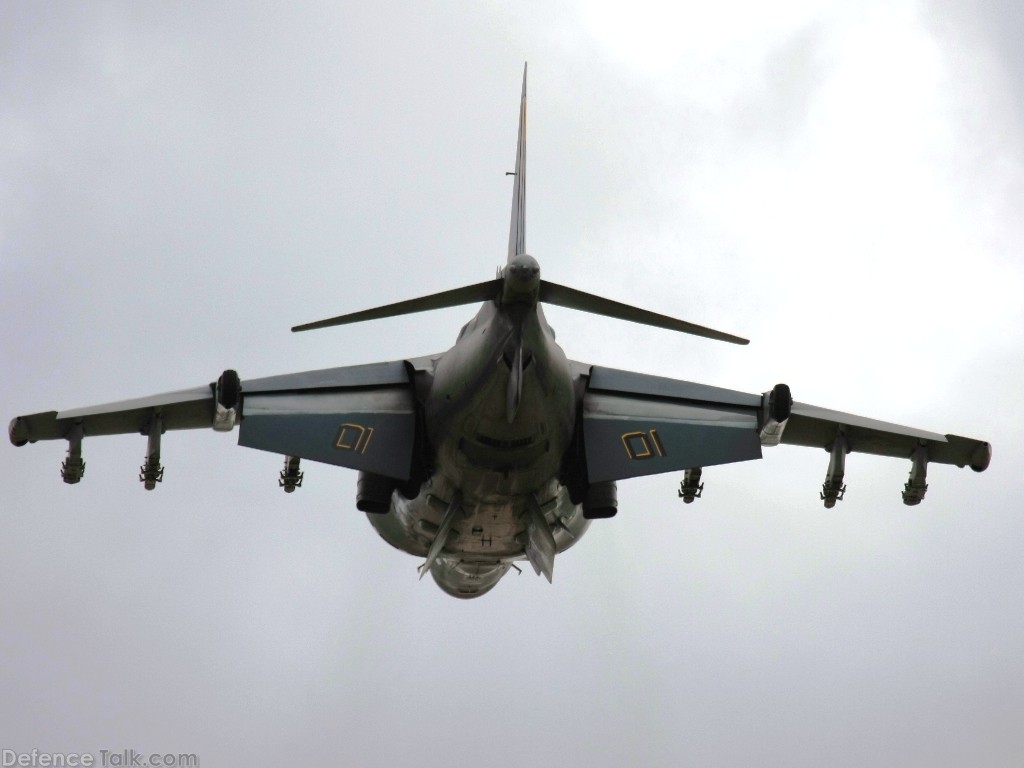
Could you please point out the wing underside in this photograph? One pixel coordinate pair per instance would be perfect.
(816, 427)
(635, 424)
(362, 417)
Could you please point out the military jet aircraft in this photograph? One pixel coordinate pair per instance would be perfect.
(500, 449)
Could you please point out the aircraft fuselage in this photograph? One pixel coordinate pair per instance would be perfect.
(500, 410)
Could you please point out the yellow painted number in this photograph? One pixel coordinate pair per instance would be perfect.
(642, 445)
(354, 437)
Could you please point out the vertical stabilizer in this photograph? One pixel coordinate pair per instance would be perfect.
(517, 229)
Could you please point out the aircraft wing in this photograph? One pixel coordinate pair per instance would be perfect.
(635, 424)
(817, 427)
(362, 417)
(182, 409)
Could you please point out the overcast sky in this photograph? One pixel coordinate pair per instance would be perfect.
(842, 182)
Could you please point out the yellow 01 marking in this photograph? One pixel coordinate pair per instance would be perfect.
(361, 434)
(657, 442)
(631, 450)
(366, 442)
(642, 445)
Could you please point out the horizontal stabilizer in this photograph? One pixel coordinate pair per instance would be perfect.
(560, 295)
(470, 294)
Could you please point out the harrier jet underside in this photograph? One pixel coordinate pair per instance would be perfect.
(500, 449)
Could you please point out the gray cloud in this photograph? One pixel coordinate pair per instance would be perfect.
(182, 184)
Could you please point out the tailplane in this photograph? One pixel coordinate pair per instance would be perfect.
(547, 292)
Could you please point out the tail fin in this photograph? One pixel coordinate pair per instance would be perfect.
(550, 293)
(517, 229)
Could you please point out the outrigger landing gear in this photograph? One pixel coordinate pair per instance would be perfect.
(227, 398)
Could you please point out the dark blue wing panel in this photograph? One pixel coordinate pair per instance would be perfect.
(630, 436)
(367, 429)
